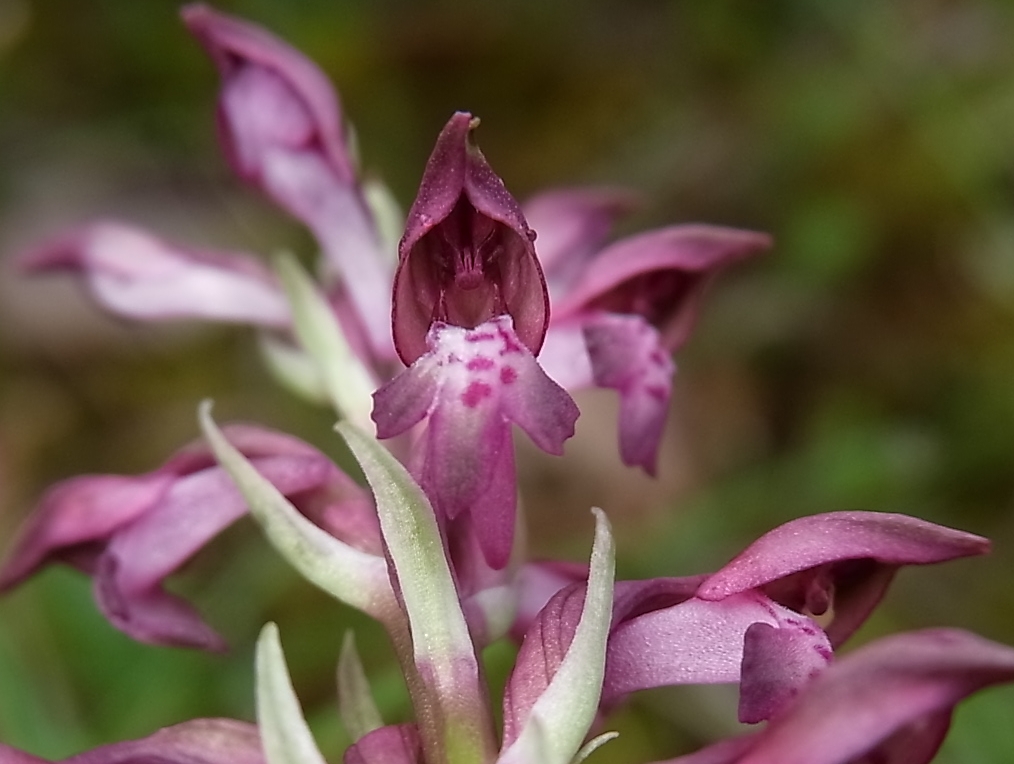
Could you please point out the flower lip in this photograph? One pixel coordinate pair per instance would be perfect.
(467, 255)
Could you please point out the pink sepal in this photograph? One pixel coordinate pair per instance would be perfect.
(135, 275)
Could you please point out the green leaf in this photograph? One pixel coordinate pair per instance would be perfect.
(352, 576)
(442, 648)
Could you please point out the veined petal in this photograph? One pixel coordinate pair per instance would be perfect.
(537, 584)
(700, 642)
(660, 275)
(548, 715)
(777, 663)
(467, 254)
(200, 741)
(281, 127)
(847, 557)
(627, 355)
(395, 744)
(134, 275)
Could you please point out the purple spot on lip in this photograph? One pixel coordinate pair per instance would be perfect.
(510, 342)
(480, 363)
(508, 375)
(479, 336)
(475, 393)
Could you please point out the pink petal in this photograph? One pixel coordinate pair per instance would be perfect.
(253, 441)
(728, 751)
(564, 355)
(467, 254)
(777, 664)
(700, 642)
(281, 126)
(200, 741)
(626, 355)
(135, 275)
(572, 224)
(76, 517)
(548, 638)
(394, 744)
(660, 275)
(132, 532)
(542, 651)
(537, 583)
(10, 755)
(406, 400)
(469, 463)
(849, 556)
(128, 584)
(902, 685)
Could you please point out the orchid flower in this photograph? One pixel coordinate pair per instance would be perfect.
(131, 532)
(431, 550)
(620, 314)
(470, 312)
(702, 629)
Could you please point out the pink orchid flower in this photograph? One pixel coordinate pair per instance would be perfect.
(470, 312)
(619, 314)
(701, 630)
(132, 532)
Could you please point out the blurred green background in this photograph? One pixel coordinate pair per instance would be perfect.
(867, 362)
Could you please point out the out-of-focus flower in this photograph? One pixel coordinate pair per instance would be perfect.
(200, 741)
(131, 532)
(281, 127)
(135, 275)
(887, 703)
(470, 311)
(620, 314)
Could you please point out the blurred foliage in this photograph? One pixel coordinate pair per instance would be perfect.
(867, 362)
